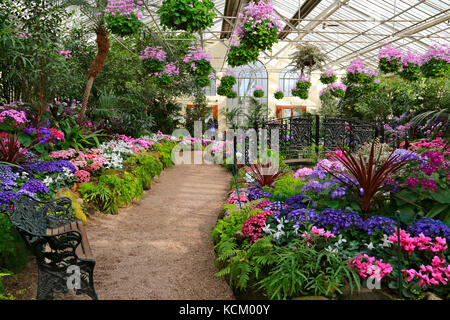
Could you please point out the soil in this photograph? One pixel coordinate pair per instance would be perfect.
(158, 248)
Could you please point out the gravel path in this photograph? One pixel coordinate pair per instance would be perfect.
(160, 248)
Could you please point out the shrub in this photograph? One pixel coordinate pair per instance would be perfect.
(13, 251)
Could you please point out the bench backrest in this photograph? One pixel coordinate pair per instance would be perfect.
(34, 217)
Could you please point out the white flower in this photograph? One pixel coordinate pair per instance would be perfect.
(278, 234)
(296, 227)
(369, 246)
(266, 229)
(331, 249)
(48, 181)
(386, 242)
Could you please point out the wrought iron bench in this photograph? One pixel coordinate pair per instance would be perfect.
(58, 241)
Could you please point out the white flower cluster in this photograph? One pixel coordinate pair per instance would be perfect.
(337, 245)
(117, 146)
(113, 160)
(276, 233)
(64, 177)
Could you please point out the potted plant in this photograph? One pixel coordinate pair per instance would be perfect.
(435, 62)
(357, 73)
(226, 85)
(188, 15)
(258, 92)
(120, 17)
(199, 64)
(308, 58)
(153, 59)
(410, 68)
(301, 88)
(337, 89)
(390, 59)
(257, 30)
(328, 76)
(279, 94)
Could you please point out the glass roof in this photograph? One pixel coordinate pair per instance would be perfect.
(343, 29)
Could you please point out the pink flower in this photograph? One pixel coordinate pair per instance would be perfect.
(83, 176)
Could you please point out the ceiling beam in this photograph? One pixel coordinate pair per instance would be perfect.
(313, 24)
(301, 13)
(404, 33)
(231, 11)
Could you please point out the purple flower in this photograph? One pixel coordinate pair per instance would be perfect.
(384, 224)
(430, 228)
(50, 166)
(34, 186)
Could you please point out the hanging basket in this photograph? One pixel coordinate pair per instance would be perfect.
(123, 24)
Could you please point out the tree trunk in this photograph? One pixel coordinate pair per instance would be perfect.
(96, 67)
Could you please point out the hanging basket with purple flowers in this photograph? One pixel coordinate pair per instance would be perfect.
(121, 18)
(390, 59)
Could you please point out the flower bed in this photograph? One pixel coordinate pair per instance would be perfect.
(306, 234)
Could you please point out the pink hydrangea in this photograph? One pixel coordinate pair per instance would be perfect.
(253, 226)
(303, 172)
(19, 117)
(234, 198)
(83, 176)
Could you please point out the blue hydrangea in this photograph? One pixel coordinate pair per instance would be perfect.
(430, 228)
(50, 166)
(385, 224)
(8, 178)
(256, 192)
(34, 186)
(339, 219)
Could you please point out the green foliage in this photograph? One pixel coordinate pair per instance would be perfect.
(301, 269)
(179, 15)
(389, 66)
(100, 196)
(13, 251)
(226, 228)
(258, 93)
(435, 68)
(286, 187)
(261, 37)
(308, 58)
(3, 274)
(203, 81)
(165, 150)
(329, 105)
(238, 56)
(327, 80)
(145, 167)
(243, 266)
(77, 137)
(301, 90)
(279, 95)
(123, 25)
